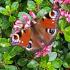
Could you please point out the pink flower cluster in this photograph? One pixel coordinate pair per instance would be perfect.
(46, 50)
(59, 1)
(62, 1)
(16, 27)
(26, 18)
(66, 14)
(19, 24)
(66, 1)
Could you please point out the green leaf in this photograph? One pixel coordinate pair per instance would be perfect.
(1, 57)
(65, 64)
(8, 8)
(10, 67)
(44, 61)
(22, 62)
(67, 58)
(12, 19)
(57, 63)
(2, 9)
(15, 50)
(67, 37)
(62, 24)
(7, 58)
(52, 56)
(4, 49)
(5, 23)
(67, 33)
(14, 6)
(31, 5)
(45, 3)
(38, 2)
(69, 46)
(5, 12)
(50, 66)
(52, 1)
(55, 44)
(67, 30)
(32, 64)
(7, 2)
(0, 22)
(46, 58)
(43, 11)
(4, 42)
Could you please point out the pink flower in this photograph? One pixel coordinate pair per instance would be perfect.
(17, 26)
(32, 14)
(59, 1)
(44, 51)
(69, 15)
(62, 12)
(18, 22)
(68, 19)
(27, 20)
(66, 14)
(25, 17)
(38, 54)
(66, 1)
(62, 1)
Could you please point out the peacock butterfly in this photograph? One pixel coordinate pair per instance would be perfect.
(36, 33)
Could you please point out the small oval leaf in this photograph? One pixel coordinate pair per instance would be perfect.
(52, 56)
(32, 64)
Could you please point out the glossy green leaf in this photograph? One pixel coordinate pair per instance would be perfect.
(62, 24)
(52, 1)
(38, 1)
(44, 61)
(2, 9)
(52, 56)
(45, 58)
(10, 67)
(50, 66)
(67, 33)
(65, 64)
(32, 64)
(69, 46)
(12, 19)
(1, 57)
(67, 58)
(8, 8)
(15, 50)
(7, 58)
(31, 5)
(14, 6)
(22, 62)
(55, 44)
(57, 63)
(4, 42)
(43, 11)
(0, 22)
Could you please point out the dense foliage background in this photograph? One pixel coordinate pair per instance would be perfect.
(16, 58)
